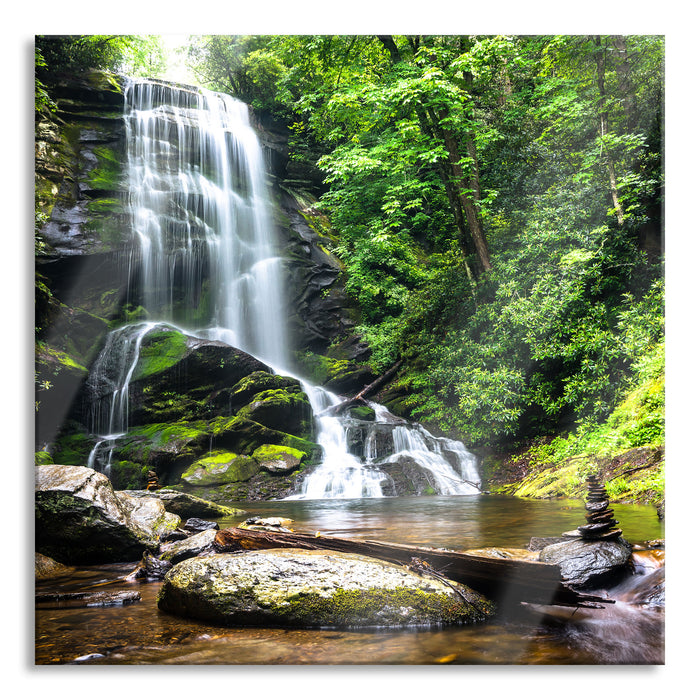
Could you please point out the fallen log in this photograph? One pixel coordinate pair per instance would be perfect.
(503, 580)
(360, 397)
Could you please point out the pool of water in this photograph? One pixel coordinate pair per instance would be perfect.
(139, 633)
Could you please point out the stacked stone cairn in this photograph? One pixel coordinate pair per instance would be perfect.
(600, 523)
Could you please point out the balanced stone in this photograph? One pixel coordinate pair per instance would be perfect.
(599, 517)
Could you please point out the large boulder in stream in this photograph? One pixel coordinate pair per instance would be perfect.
(589, 563)
(300, 588)
(81, 519)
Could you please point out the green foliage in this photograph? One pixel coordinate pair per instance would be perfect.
(130, 54)
(555, 140)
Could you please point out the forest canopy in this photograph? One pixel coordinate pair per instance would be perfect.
(496, 202)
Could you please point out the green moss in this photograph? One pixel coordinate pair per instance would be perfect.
(107, 173)
(272, 452)
(362, 413)
(155, 442)
(160, 351)
(358, 608)
(557, 481)
(42, 458)
(287, 410)
(321, 369)
(243, 392)
(50, 355)
(128, 475)
(73, 449)
(649, 488)
(245, 436)
(220, 467)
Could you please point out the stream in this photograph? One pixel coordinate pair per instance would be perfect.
(139, 634)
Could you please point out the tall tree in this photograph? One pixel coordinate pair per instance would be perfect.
(460, 175)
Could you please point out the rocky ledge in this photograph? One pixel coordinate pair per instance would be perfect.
(81, 519)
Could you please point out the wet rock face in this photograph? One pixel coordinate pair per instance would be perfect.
(297, 588)
(589, 563)
(86, 242)
(407, 478)
(79, 172)
(200, 410)
(80, 519)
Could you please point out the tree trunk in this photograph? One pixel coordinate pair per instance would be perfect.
(623, 69)
(603, 129)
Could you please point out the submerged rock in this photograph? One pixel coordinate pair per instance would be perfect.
(586, 563)
(46, 567)
(83, 599)
(298, 588)
(647, 590)
(80, 519)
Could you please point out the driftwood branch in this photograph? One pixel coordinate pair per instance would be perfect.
(505, 580)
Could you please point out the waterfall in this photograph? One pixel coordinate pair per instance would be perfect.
(199, 207)
(207, 264)
(108, 391)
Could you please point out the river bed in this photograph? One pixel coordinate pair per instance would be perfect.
(139, 633)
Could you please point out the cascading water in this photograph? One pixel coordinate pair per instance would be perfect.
(341, 474)
(108, 385)
(198, 201)
(208, 265)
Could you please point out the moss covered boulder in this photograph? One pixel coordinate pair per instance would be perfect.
(287, 410)
(179, 377)
(277, 459)
(335, 374)
(305, 589)
(219, 468)
(187, 505)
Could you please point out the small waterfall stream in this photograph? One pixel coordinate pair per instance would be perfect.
(200, 212)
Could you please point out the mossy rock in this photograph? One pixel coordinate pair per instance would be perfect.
(72, 448)
(277, 459)
(163, 446)
(364, 413)
(179, 376)
(127, 475)
(285, 410)
(220, 467)
(338, 375)
(160, 350)
(248, 387)
(307, 589)
(245, 436)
